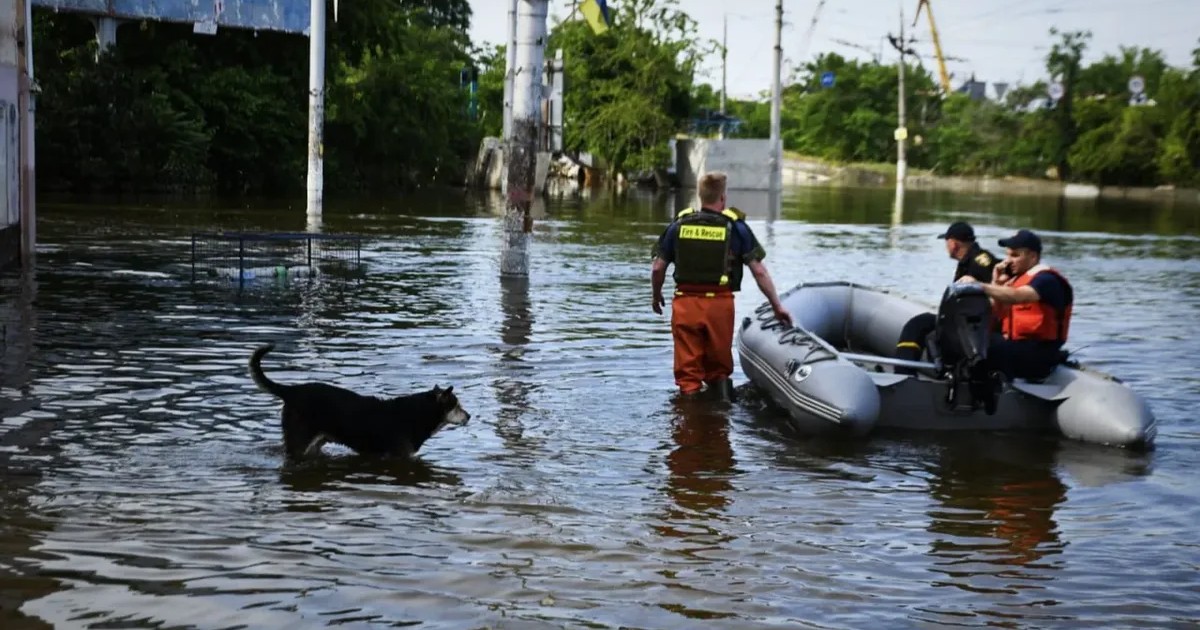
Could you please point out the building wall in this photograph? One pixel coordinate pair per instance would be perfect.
(746, 161)
(11, 19)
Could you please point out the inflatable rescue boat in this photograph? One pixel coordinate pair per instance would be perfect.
(836, 371)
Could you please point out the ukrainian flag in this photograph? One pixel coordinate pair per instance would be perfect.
(596, 12)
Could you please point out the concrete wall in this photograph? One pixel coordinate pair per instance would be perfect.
(488, 171)
(747, 162)
(12, 19)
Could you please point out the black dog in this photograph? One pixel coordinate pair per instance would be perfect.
(314, 413)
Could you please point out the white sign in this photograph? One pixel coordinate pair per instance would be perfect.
(1056, 90)
(205, 27)
(1137, 84)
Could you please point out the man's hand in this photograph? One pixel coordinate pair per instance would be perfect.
(658, 275)
(1000, 274)
(784, 316)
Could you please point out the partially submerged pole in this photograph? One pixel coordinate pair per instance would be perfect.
(316, 110)
(521, 152)
(27, 103)
(901, 129)
(724, 64)
(777, 101)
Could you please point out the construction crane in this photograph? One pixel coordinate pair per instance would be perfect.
(937, 44)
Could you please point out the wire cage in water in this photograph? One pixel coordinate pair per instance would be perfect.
(250, 256)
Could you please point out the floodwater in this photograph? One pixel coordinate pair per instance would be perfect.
(142, 482)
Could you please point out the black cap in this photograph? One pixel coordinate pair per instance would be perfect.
(1023, 239)
(960, 230)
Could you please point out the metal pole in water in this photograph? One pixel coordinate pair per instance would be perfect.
(724, 64)
(316, 109)
(521, 154)
(27, 104)
(901, 129)
(777, 101)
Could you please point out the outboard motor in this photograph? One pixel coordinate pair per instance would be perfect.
(960, 345)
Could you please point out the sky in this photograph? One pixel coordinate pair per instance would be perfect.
(996, 40)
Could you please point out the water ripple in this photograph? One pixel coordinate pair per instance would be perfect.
(145, 483)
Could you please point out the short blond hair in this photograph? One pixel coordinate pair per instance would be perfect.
(712, 186)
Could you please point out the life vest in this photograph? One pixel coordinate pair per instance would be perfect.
(1038, 320)
(704, 249)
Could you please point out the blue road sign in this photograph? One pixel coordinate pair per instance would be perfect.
(827, 79)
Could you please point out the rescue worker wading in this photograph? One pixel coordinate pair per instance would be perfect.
(708, 248)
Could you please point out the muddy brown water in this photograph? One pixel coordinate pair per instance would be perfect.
(143, 483)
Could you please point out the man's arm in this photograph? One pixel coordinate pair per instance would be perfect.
(663, 254)
(1008, 295)
(658, 275)
(763, 278)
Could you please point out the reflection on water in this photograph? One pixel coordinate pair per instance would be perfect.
(700, 465)
(514, 382)
(1000, 495)
(142, 482)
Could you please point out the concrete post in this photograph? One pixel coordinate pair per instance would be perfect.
(316, 111)
(22, 15)
(521, 151)
(106, 34)
(510, 62)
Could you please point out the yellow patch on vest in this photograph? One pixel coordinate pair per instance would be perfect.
(702, 233)
(983, 259)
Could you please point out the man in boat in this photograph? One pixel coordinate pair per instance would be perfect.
(708, 247)
(1033, 304)
(973, 261)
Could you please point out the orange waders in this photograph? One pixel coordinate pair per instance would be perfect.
(702, 325)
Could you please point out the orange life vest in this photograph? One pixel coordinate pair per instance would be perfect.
(1037, 320)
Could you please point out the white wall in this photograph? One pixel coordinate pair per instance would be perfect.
(746, 161)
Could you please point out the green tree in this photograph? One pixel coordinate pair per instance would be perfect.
(1063, 61)
(491, 64)
(1178, 159)
(973, 137)
(630, 88)
(1110, 75)
(854, 120)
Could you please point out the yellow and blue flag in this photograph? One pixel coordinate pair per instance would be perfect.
(596, 12)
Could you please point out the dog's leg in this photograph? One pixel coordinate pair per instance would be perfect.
(314, 445)
(298, 438)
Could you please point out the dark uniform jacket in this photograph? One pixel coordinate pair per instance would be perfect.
(977, 263)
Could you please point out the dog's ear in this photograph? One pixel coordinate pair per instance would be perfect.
(437, 391)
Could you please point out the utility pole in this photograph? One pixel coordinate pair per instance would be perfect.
(901, 129)
(27, 104)
(510, 60)
(901, 134)
(316, 111)
(724, 55)
(777, 100)
(521, 151)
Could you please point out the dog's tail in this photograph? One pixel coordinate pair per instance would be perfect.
(259, 377)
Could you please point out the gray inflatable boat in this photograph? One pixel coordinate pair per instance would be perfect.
(836, 371)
